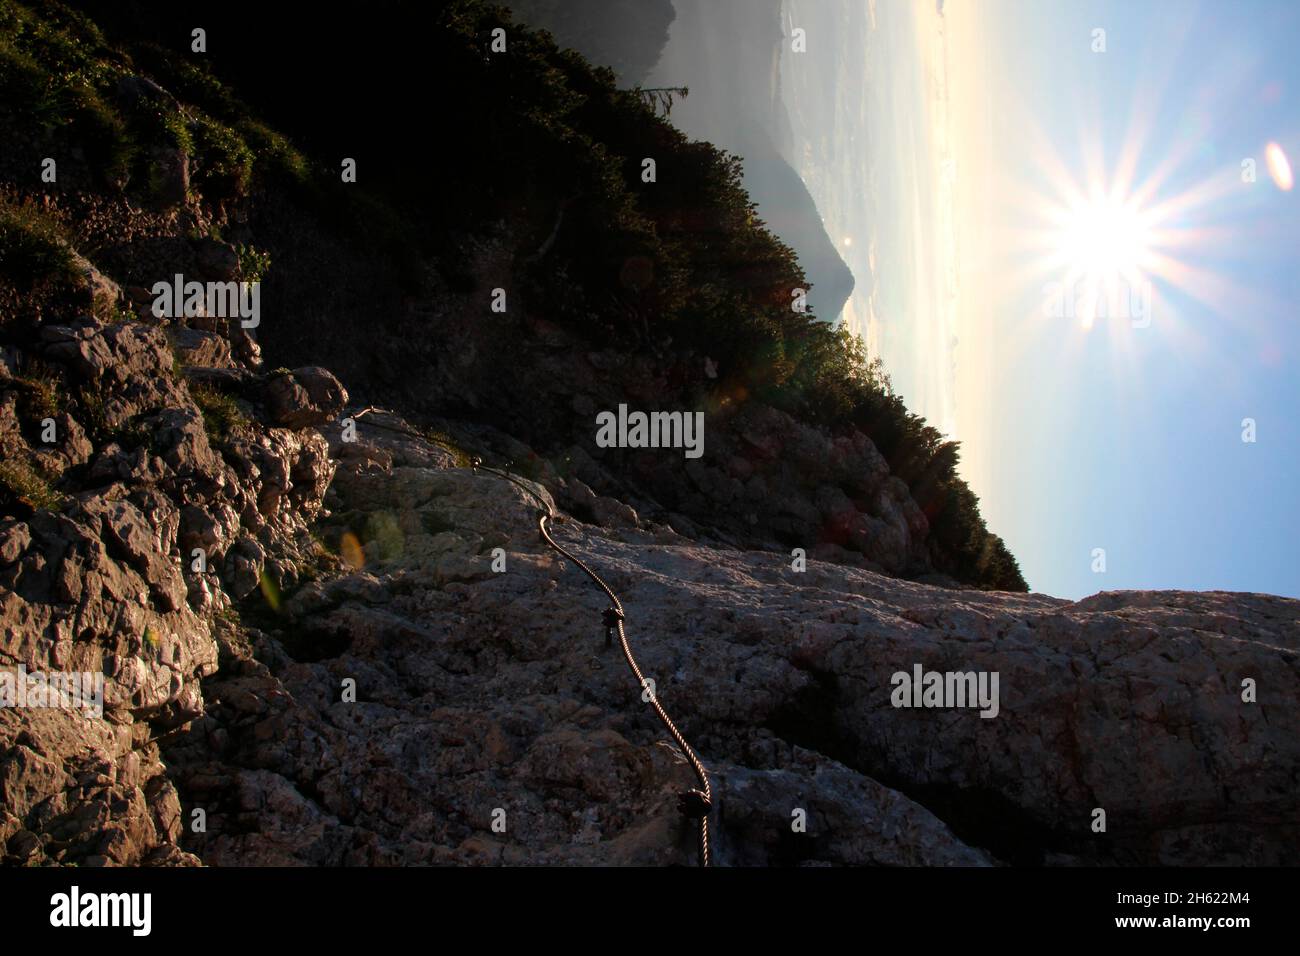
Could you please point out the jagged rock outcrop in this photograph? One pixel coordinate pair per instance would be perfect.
(304, 398)
(478, 694)
(139, 516)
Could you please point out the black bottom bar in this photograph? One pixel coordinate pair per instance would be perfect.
(333, 906)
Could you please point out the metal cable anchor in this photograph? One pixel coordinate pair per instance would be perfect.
(694, 804)
(611, 616)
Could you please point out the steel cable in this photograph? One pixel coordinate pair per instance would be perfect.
(695, 804)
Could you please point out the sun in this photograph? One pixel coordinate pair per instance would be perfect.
(1128, 233)
(1102, 244)
(1105, 238)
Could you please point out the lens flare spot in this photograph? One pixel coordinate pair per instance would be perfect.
(351, 552)
(1279, 167)
(269, 591)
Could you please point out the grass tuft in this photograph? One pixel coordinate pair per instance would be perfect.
(29, 486)
(222, 416)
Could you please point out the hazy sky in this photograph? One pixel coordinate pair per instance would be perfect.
(1004, 174)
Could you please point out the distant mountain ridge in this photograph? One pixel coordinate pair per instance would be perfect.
(627, 36)
(790, 211)
(732, 103)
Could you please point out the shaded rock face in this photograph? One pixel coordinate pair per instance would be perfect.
(159, 522)
(424, 708)
(765, 480)
(306, 397)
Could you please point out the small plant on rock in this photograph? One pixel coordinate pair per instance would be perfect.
(253, 263)
(222, 416)
(24, 483)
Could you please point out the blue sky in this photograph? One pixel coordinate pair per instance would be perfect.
(1002, 153)
(1126, 438)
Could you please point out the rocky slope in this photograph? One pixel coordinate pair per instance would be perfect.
(766, 479)
(391, 710)
(479, 691)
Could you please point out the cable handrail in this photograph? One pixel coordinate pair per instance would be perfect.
(694, 804)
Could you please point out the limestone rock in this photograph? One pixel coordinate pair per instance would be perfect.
(199, 347)
(108, 585)
(478, 691)
(304, 398)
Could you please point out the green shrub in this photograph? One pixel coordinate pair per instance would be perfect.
(230, 146)
(253, 263)
(37, 275)
(33, 248)
(94, 413)
(56, 74)
(223, 161)
(273, 153)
